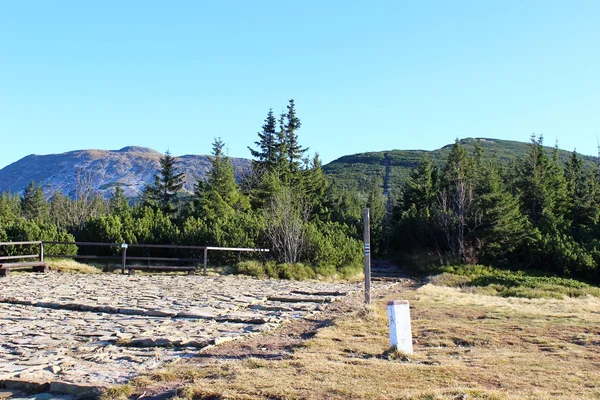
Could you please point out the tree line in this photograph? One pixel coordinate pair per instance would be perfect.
(285, 203)
(535, 213)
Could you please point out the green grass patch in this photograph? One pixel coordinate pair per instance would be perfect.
(506, 283)
(296, 272)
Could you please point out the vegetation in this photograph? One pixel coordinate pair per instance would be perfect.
(498, 203)
(362, 170)
(505, 283)
(538, 213)
(286, 204)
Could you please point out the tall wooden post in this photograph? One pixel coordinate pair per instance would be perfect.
(123, 258)
(41, 251)
(367, 241)
(205, 261)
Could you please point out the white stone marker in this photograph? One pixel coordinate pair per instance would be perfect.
(400, 330)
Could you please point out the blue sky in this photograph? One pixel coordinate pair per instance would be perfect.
(366, 76)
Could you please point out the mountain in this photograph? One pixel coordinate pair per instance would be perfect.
(359, 171)
(134, 167)
(131, 167)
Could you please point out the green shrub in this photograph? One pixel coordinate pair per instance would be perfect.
(506, 283)
(271, 270)
(250, 268)
(329, 244)
(325, 270)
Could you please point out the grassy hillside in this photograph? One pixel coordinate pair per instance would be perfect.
(364, 169)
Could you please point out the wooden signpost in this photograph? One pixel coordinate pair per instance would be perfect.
(367, 252)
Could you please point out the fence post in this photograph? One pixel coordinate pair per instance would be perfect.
(41, 251)
(205, 260)
(123, 257)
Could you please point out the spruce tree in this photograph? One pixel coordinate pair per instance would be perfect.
(376, 204)
(421, 188)
(163, 194)
(265, 157)
(582, 193)
(501, 229)
(118, 203)
(281, 153)
(10, 208)
(315, 186)
(219, 196)
(456, 199)
(533, 182)
(33, 203)
(294, 150)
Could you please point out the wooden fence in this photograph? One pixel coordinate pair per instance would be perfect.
(39, 255)
(123, 249)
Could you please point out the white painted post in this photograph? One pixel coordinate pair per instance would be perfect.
(400, 330)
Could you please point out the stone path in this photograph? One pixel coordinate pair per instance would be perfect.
(105, 329)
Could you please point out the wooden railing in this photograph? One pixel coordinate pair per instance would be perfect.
(39, 255)
(124, 246)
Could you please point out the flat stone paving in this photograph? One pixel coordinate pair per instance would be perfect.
(106, 329)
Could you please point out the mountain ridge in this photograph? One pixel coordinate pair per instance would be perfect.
(133, 167)
(361, 170)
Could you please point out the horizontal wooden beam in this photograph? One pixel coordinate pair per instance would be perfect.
(18, 243)
(18, 257)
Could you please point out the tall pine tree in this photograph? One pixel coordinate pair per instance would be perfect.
(294, 150)
(219, 196)
(33, 204)
(265, 157)
(163, 194)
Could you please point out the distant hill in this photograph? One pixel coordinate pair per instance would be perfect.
(359, 171)
(134, 167)
(131, 167)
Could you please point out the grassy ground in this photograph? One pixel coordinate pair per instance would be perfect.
(467, 345)
(529, 284)
(71, 266)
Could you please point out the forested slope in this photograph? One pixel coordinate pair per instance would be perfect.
(362, 170)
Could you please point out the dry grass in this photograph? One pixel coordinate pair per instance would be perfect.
(72, 266)
(466, 346)
(117, 392)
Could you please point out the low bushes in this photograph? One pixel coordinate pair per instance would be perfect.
(297, 271)
(506, 283)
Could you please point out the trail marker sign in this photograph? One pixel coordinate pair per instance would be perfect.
(400, 329)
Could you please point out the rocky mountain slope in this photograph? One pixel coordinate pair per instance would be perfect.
(131, 167)
(134, 167)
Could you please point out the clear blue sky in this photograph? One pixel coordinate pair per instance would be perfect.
(366, 75)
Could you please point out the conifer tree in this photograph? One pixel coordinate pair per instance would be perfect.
(501, 229)
(376, 204)
(33, 203)
(533, 181)
(456, 199)
(294, 150)
(582, 190)
(10, 207)
(163, 194)
(421, 188)
(118, 203)
(542, 187)
(282, 163)
(265, 157)
(315, 186)
(219, 196)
